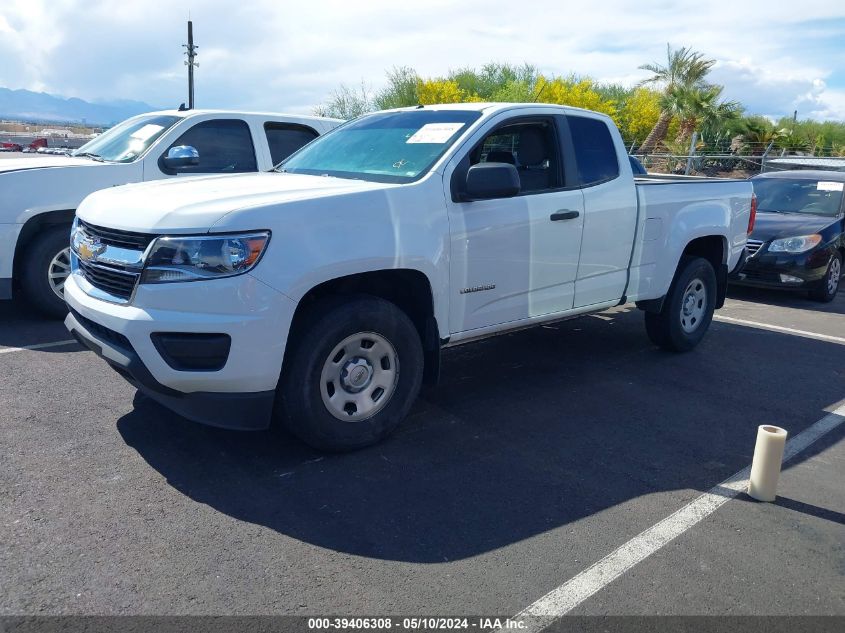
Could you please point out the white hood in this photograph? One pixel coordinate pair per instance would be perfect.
(44, 162)
(29, 186)
(191, 205)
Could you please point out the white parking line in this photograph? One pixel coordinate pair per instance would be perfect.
(780, 328)
(573, 592)
(9, 350)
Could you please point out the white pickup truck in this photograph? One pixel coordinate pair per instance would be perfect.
(323, 293)
(38, 196)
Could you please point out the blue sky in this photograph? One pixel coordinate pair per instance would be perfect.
(772, 56)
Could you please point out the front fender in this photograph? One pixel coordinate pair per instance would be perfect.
(318, 240)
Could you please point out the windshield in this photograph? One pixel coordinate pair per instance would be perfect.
(128, 140)
(386, 147)
(798, 195)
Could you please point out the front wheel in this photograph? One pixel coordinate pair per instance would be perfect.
(46, 267)
(352, 374)
(829, 286)
(687, 309)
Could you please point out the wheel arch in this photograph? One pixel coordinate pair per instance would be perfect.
(713, 248)
(32, 227)
(409, 289)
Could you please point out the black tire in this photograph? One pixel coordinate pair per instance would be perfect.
(667, 327)
(35, 268)
(301, 388)
(828, 287)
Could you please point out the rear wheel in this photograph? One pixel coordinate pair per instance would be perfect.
(687, 309)
(352, 375)
(45, 268)
(829, 286)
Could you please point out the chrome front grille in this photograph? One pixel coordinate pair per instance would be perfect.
(109, 261)
(121, 239)
(752, 246)
(114, 281)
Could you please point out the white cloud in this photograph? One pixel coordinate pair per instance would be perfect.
(831, 105)
(778, 90)
(266, 54)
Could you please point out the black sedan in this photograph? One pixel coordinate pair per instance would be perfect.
(797, 241)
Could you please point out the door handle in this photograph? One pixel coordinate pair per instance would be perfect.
(564, 214)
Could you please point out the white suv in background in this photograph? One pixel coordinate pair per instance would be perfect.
(39, 195)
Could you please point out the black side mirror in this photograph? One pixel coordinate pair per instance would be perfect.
(179, 157)
(491, 180)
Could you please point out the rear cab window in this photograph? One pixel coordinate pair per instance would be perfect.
(595, 153)
(285, 138)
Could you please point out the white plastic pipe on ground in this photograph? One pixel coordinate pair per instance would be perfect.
(765, 467)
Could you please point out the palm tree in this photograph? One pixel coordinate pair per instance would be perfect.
(793, 142)
(700, 108)
(684, 68)
(759, 133)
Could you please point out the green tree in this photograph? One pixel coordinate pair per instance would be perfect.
(700, 108)
(758, 133)
(494, 80)
(684, 68)
(401, 89)
(514, 91)
(821, 136)
(617, 93)
(347, 103)
(793, 141)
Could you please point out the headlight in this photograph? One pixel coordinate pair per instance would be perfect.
(799, 244)
(203, 257)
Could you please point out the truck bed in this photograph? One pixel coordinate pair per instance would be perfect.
(674, 209)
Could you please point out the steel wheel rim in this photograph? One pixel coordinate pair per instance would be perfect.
(693, 305)
(359, 376)
(58, 271)
(833, 276)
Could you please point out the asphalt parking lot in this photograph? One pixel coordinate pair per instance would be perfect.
(541, 453)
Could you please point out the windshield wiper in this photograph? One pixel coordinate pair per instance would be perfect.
(90, 155)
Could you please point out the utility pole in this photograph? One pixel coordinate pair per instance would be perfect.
(191, 52)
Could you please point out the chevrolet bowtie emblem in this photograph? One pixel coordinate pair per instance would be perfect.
(89, 248)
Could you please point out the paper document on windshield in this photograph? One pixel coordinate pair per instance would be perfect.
(826, 185)
(434, 133)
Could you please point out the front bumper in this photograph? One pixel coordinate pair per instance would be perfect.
(764, 270)
(255, 317)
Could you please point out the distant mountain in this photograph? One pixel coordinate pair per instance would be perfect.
(42, 107)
